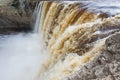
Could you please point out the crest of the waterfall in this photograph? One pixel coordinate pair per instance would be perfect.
(37, 15)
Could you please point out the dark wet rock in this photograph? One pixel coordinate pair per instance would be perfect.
(15, 15)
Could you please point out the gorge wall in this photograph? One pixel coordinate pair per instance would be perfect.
(16, 15)
(80, 37)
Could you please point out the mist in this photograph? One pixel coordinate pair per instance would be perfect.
(21, 56)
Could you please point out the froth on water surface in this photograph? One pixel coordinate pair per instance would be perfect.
(21, 56)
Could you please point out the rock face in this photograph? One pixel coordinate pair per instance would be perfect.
(15, 15)
(105, 66)
(80, 39)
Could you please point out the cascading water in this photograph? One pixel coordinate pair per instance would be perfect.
(67, 35)
(37, 14)
(22, 54)
(74, 32)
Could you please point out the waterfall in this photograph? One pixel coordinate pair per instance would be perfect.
(22, 54)
(37, 15)
(67, 35)
(74, 33)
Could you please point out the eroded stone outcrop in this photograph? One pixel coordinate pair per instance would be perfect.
(105, 66)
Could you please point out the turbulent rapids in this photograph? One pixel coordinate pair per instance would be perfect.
(74, 33)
